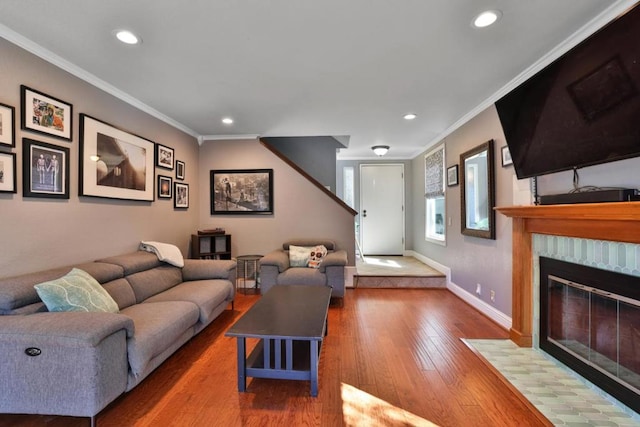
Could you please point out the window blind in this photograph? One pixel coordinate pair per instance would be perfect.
(434, 174)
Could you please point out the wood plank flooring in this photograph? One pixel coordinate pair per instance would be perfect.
(393, 357)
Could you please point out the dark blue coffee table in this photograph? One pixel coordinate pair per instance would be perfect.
(291, 322)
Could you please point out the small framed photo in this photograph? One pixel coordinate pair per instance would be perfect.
(114, 163)
(180, 195)
(165, 186)
(179, 169)
(164, 157)
(452, 176)
(45, 114)
(506, 156)
(7, 173)
(7, 125)
(45, 170)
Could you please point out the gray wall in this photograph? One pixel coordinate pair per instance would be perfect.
(300, 208)
(38, 233)
(316, 155)
(472, 260)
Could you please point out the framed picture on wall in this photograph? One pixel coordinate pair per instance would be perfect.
(179, 169)
(241, 192)
(180, 195)
(45, 170)
(506, 156)
(452, 176)
(164, 157)
(7, 172)
(7, 125)
(45, 114)
(165, 186)
(114, 164)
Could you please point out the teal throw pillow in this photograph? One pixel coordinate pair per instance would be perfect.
(299, 256)
(76, 291)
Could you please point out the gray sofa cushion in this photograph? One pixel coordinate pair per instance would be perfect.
(121, 291)
(302, 276)
(148, 283)
(206, 294)
(158, 325)
(134, 262)
(18, 291)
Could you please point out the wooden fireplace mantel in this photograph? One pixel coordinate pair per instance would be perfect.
(618, 222)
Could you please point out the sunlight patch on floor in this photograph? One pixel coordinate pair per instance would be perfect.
(382, 262)
(362, 409)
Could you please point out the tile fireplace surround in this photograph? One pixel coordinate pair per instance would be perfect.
(610, 222)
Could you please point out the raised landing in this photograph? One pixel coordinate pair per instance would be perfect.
(396, 272)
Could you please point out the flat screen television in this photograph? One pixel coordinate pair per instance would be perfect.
(583, 109)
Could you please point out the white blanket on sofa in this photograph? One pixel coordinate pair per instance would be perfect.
(165, 252)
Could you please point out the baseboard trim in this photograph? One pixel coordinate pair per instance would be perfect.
(491, 312)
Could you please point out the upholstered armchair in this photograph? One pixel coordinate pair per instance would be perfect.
(278, 268)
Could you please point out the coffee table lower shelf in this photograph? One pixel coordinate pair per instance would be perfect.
(285, 359)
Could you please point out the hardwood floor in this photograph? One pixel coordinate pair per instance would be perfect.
(393, 357)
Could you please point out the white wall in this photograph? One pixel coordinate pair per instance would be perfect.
(300, 209)
(39, 233)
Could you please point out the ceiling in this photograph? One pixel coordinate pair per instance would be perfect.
(306, 67)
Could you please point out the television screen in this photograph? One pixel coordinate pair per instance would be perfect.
(583, 109)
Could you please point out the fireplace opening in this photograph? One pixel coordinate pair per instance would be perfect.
(590, 321)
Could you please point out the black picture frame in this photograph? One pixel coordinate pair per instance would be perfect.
(45, 114)
(505, 155)
(44, 174)
(8, 175)
(165, 187)
(7, 125)
(241, 192)
(180, 170)
(114, 163)
(452, 176)
(180, 195)
(164, 157)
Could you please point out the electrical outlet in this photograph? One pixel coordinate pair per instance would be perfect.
(493, 295)
(478, 289)
(449, 221)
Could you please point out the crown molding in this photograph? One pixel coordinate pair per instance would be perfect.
(39, 51)
(227, 137)
(608, 15)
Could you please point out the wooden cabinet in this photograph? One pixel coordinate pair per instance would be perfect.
(211, 246)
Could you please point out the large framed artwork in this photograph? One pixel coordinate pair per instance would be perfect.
(241, 192)
(7, 172)
(115, 164)
(45, 170)
(45, 114)
(7, 125)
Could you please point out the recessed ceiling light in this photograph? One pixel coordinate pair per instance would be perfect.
(409, 116)
(487, 18)
(127, 37)
(227, 120)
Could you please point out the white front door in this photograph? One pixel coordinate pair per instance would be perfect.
(382, 209)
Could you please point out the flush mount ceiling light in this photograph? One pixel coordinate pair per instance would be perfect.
(227, 120)
(127, 37)
(486, 18)
(409, 116)
(380, 150)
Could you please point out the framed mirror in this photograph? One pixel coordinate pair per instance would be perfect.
(478, 192)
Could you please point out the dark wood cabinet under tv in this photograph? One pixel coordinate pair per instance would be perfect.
(211, 246)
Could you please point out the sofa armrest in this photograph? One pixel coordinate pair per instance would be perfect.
(202, 269)
(71, 329)
(279, 259)
(334, 259)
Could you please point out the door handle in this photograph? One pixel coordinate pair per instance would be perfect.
(364, 213)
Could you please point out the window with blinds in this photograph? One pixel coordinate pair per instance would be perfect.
(434, 189)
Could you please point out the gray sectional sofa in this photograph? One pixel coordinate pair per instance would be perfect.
(76, 363)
